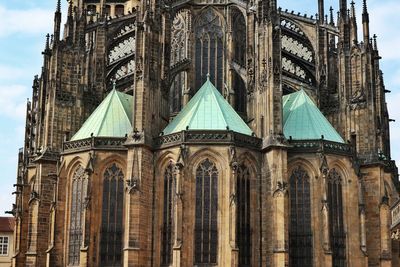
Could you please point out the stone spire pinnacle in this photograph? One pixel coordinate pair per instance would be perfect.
(365, 22)
(331, 22)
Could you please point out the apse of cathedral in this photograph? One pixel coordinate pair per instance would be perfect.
(206, 133)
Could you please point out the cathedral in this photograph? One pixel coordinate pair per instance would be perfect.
(229, 133)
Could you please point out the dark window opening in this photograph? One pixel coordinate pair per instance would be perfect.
(167, 230)
(112, 216)
(337, 234)
(206, 228)
(243, 233)
(300, 232)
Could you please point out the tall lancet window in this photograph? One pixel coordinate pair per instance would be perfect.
(179, 52)
(300, 232)
(78, 195)
(243, 232)
(167, 230)
(337, 234)
(209, 51)
(206, 228)
(112, 217)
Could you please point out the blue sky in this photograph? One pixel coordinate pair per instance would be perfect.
(24, 24)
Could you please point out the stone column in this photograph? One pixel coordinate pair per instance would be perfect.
(233, 214)
(178, 218)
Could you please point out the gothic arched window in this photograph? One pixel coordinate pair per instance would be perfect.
(119, 10)
(239, 38)
(337, 234)
(167, 232)
(78, 197)
(206, 228)
(240, 93)
(111, 221)
(179, 52)
(300, 232)
(243, 216)
(209, 51)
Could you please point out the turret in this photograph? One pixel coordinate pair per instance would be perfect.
(365, 22)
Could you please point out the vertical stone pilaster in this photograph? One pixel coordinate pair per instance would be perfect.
(178, 216)
(233, 211)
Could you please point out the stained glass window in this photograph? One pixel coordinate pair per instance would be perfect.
(300, 232)
(209, 52)
(167, 232)
(79, 193)
(243, 216)
(112, 216)
(337, 234)
(206, 228)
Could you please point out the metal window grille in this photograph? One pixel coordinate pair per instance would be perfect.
(300, 232)
(337, 234)
(243, 232)
(112, 216)
(206, 228)
(79, 189)
(167, 232)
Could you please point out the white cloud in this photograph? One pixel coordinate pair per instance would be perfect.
(29, 21)
(13, 101)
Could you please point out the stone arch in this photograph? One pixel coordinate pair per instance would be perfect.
(306, 164)
(119, 160)
(195, 159)
(73, 165)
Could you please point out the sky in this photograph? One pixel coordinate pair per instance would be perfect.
(25, 23)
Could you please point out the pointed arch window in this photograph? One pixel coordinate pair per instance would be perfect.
(112, 216)
(78, 197)
(243, 216)
(167, 232)
(206, 228)
(336, 225)
(300, 232)
(209, 51)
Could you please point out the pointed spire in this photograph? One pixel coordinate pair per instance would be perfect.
(353, 23)
(343, 8)
(47, 42)
(365, 22)
(331, 22)
(352, 10)
(375, 43)
(58, 10)
(57, 22)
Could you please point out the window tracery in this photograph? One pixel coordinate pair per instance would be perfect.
(206, 228)
(243, 216)
(336, 225)
(209, 51)
(167, 239)
(179, 52)
(300, 232)
(78, 197)
(112, 216)
(239, 38)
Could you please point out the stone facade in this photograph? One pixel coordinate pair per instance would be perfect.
(109, 201)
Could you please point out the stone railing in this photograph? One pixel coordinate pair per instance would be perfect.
(314, 146)
(94, 143)
(208, 137)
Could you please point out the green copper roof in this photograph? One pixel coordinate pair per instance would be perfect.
(112, 118)
(208, 110)
(302, 120)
